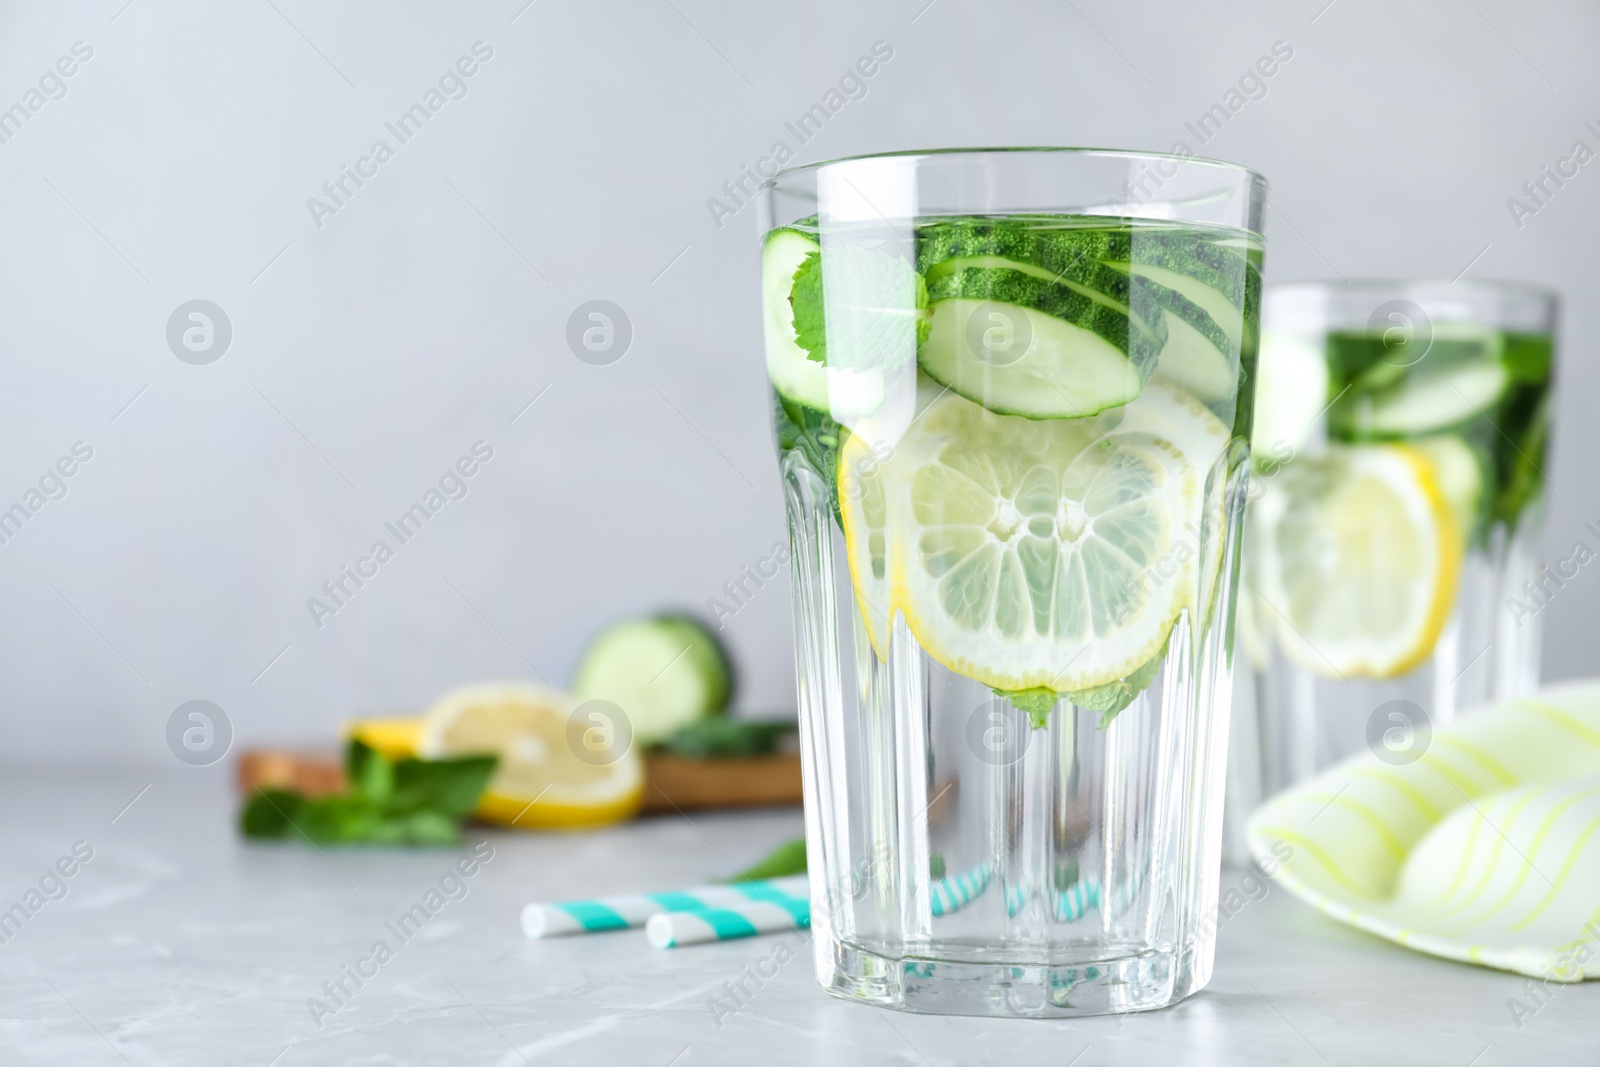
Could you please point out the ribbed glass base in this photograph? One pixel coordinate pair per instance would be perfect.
(1108, 986)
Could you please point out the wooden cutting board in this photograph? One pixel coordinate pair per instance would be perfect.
(673, 783)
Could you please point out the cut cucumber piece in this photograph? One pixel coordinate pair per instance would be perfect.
(1217, 305)
(792, 372)
(1191, 361)
(1291, 392)
(665, 672)
(1189, 260)
(1087, 276)
(1199, 354)
(1461, 474)
(1091, 311)
(1425, 402)
(992, 276)
(846, 393)
(1067, 371)
(1059, 250)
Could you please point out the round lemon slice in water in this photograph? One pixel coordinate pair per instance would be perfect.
(863, 515)
(1051, 553)
(550, 774)
(1363, 555)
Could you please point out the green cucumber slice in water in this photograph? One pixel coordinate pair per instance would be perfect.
(1060, 250)
(1461, 473)
(1200, 355)
(793, 373)
(1190, 360)
(665, 672)
(1191, 263)
(1087, 276)
(1217, 305)
(1088, 309)
(1291, 393)
(1425, 402)
(1067, 371)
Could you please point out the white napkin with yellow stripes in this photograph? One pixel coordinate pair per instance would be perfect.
(1486, 849)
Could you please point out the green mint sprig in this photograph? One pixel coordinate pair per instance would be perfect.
(880, 300)
(406, 802)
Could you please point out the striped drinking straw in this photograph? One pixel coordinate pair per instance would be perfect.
(671, 929)
(950, 894)
(622, 912)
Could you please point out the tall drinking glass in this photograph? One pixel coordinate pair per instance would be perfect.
(1011, 391)
(1392, 570)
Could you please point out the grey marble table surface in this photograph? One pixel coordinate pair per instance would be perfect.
(176, 943)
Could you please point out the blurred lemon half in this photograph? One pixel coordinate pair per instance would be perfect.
(1363, 553)
(563, 763)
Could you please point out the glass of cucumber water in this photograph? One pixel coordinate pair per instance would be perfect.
(1012, 399)
(1392, 574)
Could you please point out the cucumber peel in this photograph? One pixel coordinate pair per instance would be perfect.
(1065, 370)
(665, 672)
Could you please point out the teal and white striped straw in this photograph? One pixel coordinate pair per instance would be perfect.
(622, 912)
(671, 929)
(1017, 896)
(1071, 903)
(950, 894)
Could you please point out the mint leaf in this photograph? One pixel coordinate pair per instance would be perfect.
(810, 329)
(1108, 699)
(449, 787)
(721, 738)
(1036, 702)
(410, 802)
(788, 858)
(879, 302)
(270, 813)
(369, 774)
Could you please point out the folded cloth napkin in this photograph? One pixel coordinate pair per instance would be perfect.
(1484, 849)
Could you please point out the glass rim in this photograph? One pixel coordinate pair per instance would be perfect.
(1253, 177)
(1505, 286)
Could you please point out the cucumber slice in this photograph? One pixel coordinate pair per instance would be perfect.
(1061, 251)
(1067, 371)
(846, 393)
(1461, 474)
(1087, 276)
(792, 372)
(1425, 402)
(1199, 354)
(1291, 392)
(1217, 305)
(1191, 361)
(1090, 310)
(665, 672)
(1185, 261)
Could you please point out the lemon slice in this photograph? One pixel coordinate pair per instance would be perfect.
(549, 775)
(1363, 555)
(1460, 476)
(863, 515)
(1050, 553)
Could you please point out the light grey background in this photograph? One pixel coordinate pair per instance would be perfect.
(368, 354)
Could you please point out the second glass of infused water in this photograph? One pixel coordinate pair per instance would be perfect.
(1397, 501)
